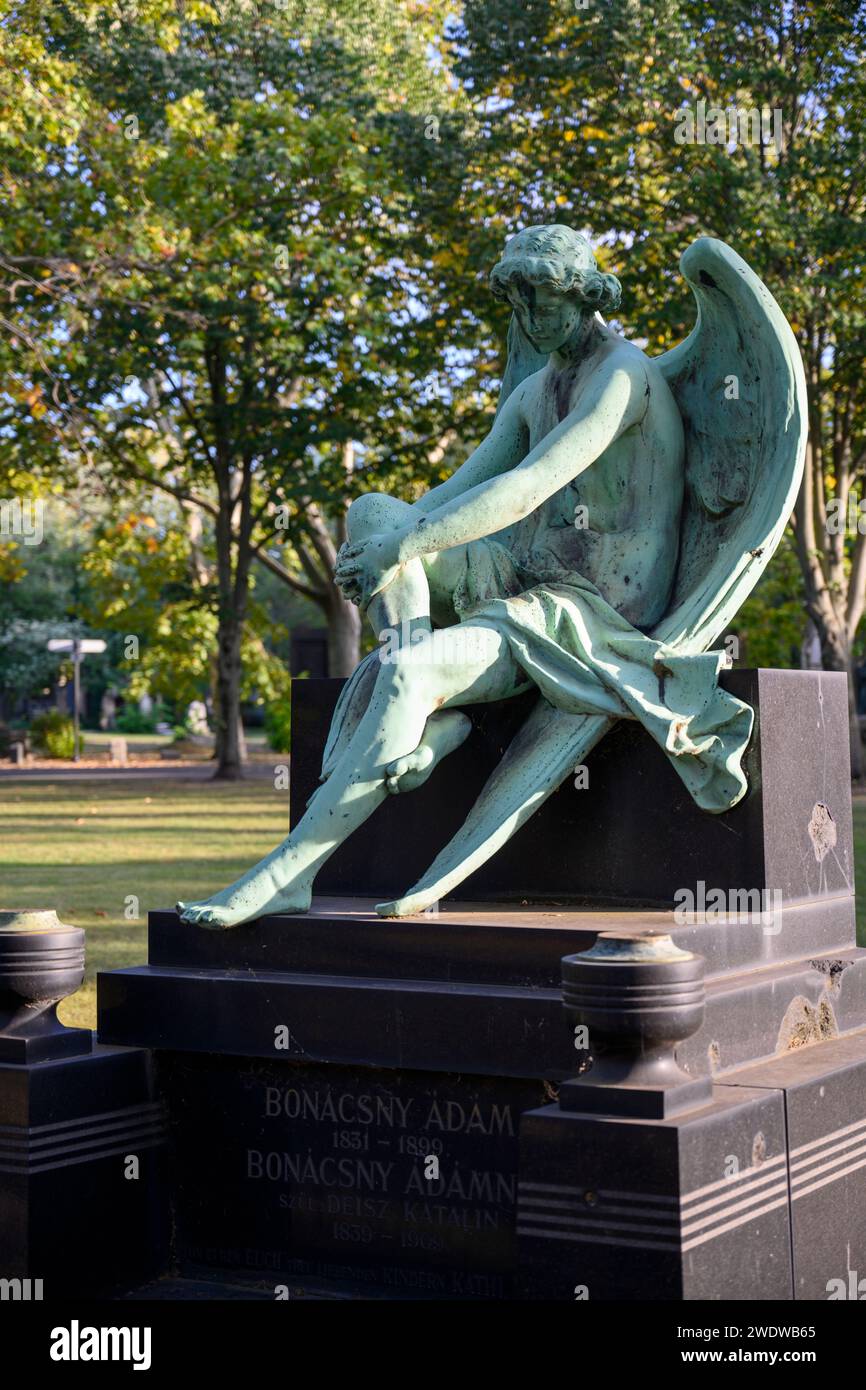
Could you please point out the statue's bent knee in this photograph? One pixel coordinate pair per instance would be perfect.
(402, 673)
(375, 512)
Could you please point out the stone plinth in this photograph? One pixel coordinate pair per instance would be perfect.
(404, 1108)
(82, 1132)
(323, 1059)
(633, 837)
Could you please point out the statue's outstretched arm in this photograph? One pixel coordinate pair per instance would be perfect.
(616, 401)
(499, 452)
(365, 568)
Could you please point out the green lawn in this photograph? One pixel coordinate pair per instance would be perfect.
(86, 847)
(97, 741)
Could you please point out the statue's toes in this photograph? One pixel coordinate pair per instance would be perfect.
(213, 920)
(411, 905)
(212, 917)
(192, 912)
(394, 774)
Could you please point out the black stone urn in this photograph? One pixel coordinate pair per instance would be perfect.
(41, 962)
(637, 994)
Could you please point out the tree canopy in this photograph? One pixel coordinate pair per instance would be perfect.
(245, 247)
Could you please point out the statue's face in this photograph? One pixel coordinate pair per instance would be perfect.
(547, 316)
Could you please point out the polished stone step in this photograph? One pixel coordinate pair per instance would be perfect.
(485, 943)
(485, 1026)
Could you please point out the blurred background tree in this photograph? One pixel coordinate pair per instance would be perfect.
(579, 109)
(215, 285)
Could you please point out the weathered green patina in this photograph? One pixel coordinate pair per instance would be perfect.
(595, 545)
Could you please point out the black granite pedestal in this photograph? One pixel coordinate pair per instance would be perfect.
(687, 1208)
(632, 836)
(759, 1195)
(404, 1108)
(320, 1093)
(83, 1202)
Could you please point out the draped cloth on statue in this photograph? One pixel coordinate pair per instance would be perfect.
(585, 658)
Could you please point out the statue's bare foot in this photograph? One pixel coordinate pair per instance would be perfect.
(443, 733)
(257, 894)
(408, 906)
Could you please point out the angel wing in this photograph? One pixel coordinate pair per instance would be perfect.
(739, 384)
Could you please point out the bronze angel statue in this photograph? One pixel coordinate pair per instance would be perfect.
(594, 546)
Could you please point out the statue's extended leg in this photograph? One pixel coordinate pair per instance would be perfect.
(399, 616)
(540, 758)
(463, 665)
(444, 732)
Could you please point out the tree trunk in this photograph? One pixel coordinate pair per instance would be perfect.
(230, 744)
(854, 737)
(835, 657)
(344, 634)
(834, 603)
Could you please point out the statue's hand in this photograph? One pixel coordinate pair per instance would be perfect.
(365, 568)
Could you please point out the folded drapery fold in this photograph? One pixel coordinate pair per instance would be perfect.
(586, 658)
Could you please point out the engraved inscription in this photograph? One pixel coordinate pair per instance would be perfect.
(366, 1177)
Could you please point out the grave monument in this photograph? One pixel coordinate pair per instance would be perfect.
(576, 1011)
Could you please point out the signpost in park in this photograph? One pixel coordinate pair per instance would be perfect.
(78, 647)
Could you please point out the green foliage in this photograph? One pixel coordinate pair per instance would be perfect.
(578, 110)
(133, 720)
(53, 734)
(151, 579)
(581, 111)
(771, 624)
(27, 668)
(142, 584)
(228, 277)
(47, 577)
(238, 235)
(278, 724)
(229, 242)
(36, 604)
